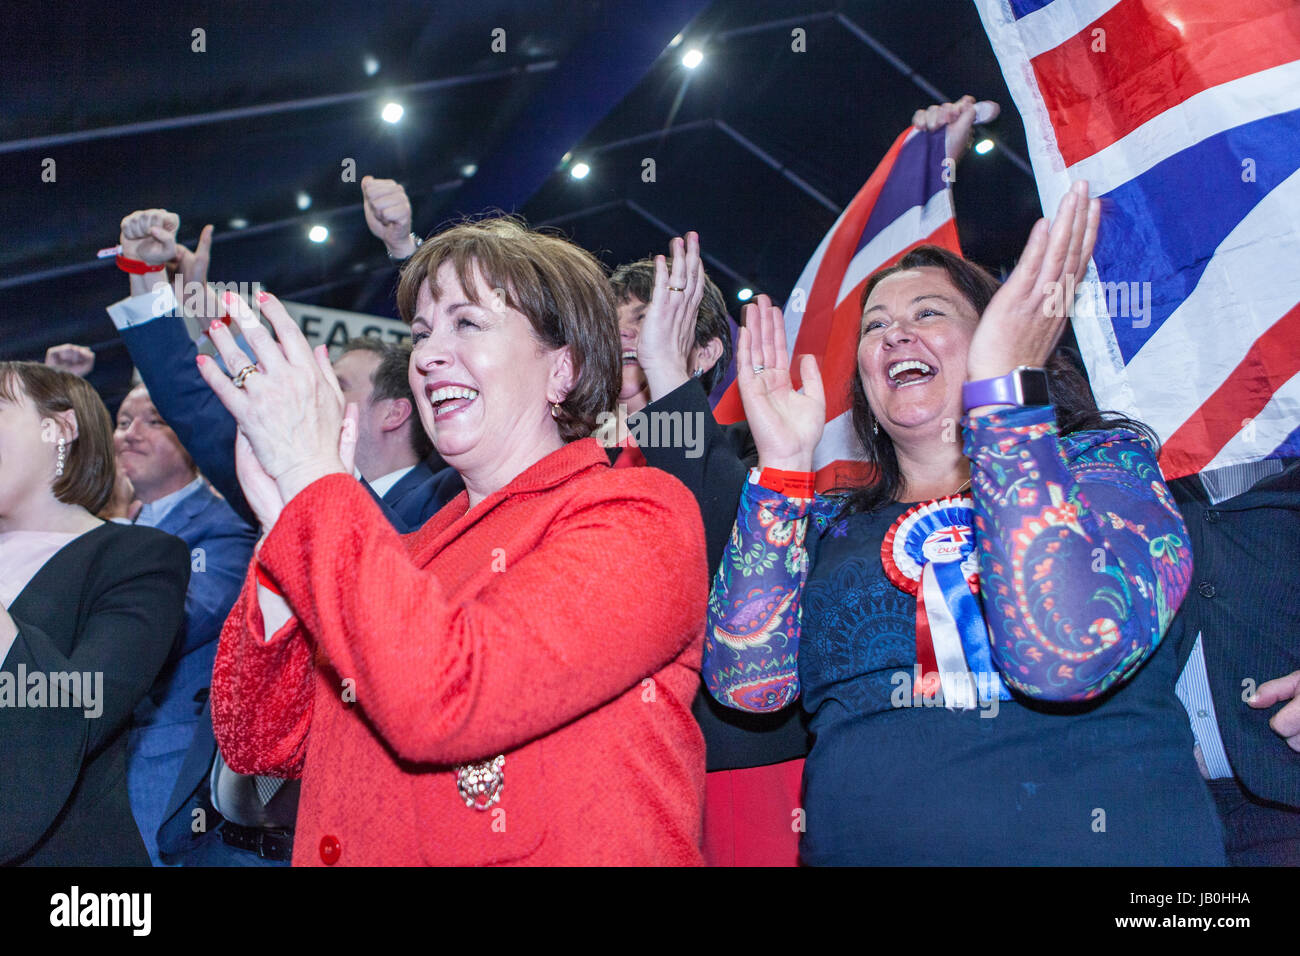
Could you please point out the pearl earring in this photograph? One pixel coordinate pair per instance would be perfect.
(63, 456)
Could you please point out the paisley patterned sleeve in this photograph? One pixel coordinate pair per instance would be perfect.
(1084, 557)
(751, 643)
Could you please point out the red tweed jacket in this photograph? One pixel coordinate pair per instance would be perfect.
(558, 623)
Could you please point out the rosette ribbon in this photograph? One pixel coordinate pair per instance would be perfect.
(930, 552)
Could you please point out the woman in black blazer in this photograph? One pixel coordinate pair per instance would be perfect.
(88, 613)
(676, 347)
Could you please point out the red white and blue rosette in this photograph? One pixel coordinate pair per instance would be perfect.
(930, 552)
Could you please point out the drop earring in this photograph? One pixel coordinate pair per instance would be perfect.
(875, 427)
(63, 457)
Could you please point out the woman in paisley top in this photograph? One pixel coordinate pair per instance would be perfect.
(1054, 735)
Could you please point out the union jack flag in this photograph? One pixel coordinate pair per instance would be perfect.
(905, 203)
(1184, 115)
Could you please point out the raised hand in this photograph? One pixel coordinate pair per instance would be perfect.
(388, 214)
(149, 235)
(787, 424)
(957, 119)
(192, 268)
(290, 410)
(1024, 320)
(76, 359)
(667, 337)
(123, 503)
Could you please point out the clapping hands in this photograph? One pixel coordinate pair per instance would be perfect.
(667, 338)
(293, 427)
(787, 424)
(1024, 321)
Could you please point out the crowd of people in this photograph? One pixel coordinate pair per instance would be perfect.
(454, 602)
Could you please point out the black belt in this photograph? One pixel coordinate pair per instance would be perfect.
(268, 843)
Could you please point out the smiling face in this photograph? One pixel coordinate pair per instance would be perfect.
(916, 332)
(483, 384)
(147, 449)
(634, 391)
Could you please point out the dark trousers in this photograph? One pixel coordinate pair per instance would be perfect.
(1256, 832)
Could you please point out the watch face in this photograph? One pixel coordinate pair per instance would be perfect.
(1033, 387)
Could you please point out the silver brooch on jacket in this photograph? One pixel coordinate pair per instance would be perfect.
(480, 784)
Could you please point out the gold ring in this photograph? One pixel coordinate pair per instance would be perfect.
(243, 374)
(673, 288)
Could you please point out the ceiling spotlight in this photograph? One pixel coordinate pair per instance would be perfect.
(318, 234)
(692, 59)
(468, 170)
(370, 65)
(984, 146)
(239, 223)
(579, 170)
(392, 112)
(304, 201)
(745, 294)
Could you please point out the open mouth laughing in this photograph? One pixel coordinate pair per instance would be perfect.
(910, 372)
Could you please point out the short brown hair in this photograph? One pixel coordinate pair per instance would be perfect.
(560, 287)
(392, 380)
(636, 281)
(88, 473)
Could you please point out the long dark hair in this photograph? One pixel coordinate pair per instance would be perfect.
(1076, 409)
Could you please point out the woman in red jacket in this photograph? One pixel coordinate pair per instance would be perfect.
(475, 692)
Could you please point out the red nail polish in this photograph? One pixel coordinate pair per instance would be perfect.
(200, 360)
(262, 296)
(216, 324)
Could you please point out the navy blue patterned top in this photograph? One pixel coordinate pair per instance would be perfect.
(1090, 762)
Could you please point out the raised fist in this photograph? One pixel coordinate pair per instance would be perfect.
(957, 119)
(388, 214)
(150, 236)
(76, 359)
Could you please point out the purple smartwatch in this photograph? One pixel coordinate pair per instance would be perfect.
(1023, 385)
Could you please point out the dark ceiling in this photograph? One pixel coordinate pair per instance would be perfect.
(756, 149)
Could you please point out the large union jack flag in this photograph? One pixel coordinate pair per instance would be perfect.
(1184, 115)
(906, 202)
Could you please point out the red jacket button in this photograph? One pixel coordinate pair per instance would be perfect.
(330, 850)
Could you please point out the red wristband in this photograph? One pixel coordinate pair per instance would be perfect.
(137, 267)
(264, 580)
(792, 484)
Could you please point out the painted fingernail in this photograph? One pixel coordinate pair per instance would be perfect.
(216, 324)
(201, 360)
(262, 296)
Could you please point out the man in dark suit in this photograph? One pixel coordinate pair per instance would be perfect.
(394, 454)
(1238, 640)
(176, 499)
(149, 321)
